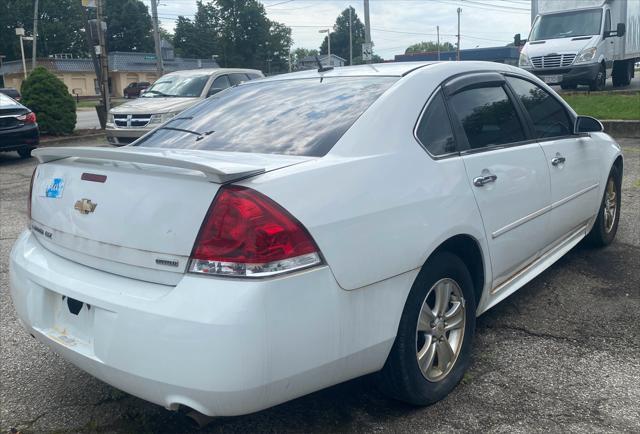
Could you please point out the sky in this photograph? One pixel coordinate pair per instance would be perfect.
(395, 24)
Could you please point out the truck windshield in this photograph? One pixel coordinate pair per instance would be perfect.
(296, 116)
(567, 25)
(177, 86)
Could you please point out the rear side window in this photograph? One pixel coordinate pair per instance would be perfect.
(296, 117)
(253, 75)
(549, 117)
(434, 130)
(487, 116)
(237, 78)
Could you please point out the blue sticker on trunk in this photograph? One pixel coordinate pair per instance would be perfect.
(54, 190)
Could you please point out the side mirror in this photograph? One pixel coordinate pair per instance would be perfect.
(587, 124)
(620, 31)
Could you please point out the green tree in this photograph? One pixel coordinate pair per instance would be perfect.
(425, 47)
(60, 28)
(340, 36)
(129, 26)
(199, 37)
(300, 53)
(50, 100)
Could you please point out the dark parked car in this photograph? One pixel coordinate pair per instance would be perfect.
(18, 127)
(10, 91)
(134, 89)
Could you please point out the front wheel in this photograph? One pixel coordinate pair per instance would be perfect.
(25, 152)
(432, 349)
(600, 81)
(606, 225)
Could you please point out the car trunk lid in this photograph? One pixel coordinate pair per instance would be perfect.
(133, 211)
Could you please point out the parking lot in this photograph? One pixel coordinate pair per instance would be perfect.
(561, 355)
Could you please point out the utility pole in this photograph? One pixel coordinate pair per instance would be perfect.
(367, 26)
(438, 40)
(350, 38)
(104, 59)
(458, 48)
(156, 37)
(35, 35)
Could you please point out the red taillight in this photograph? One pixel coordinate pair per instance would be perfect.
(28, 118)
(33, 175)
(247, 234)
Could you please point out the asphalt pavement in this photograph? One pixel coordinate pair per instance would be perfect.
(560, 355)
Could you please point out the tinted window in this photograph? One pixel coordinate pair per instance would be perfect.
(253, 75)
(434, 130)
(487, 116)
(220, 83)
(299, 117)
(237, 78)
(549, 117)
(607, 21)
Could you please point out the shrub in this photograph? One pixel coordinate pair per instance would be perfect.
(47, 96)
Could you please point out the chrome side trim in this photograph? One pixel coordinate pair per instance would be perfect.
(577, 233)
(541, 211)
(521, 221)
(573, 196)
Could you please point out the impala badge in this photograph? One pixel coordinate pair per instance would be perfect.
(85, 206)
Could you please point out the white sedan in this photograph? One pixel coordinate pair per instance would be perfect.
(292, 233)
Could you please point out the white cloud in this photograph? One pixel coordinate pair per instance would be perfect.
(484, 23)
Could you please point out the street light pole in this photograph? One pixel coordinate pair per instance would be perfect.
(438, 40)
(35, 35)
(20, 34)
(458, 53)
(350, 38)
(328, 32)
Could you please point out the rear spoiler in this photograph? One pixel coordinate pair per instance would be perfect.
(214, 171)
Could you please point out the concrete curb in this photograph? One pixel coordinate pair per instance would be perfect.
(58, 140)
(622, 128)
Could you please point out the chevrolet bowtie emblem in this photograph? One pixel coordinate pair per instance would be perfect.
(85, 206)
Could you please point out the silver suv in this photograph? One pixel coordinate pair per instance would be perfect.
(167, 97)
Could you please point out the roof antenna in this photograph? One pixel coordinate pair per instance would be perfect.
(322, 68)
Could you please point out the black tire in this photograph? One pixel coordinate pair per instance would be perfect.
(601, 234)
(568, 86)
(600, 81)
(401, 378)
(25, 152)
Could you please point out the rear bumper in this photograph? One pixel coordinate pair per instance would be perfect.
(221, 346)
(579, 74)
(17, 138)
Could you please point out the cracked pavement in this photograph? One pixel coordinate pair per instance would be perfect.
(562, 354)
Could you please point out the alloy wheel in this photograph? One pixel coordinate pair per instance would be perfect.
(440, 329)
(610, 208)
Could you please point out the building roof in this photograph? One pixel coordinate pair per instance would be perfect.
(488, 54)
(118, 61)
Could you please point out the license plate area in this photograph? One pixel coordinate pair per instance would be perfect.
(552, 79)
(72, 322)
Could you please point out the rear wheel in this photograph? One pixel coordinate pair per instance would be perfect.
(606, 225)
(600, 81)
(432, 349)
(25, 152)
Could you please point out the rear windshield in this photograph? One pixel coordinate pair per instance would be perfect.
(296, 117)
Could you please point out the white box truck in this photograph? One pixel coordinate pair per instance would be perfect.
(583, 42)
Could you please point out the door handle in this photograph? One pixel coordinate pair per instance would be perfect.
(558, 160)
(485, 179)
